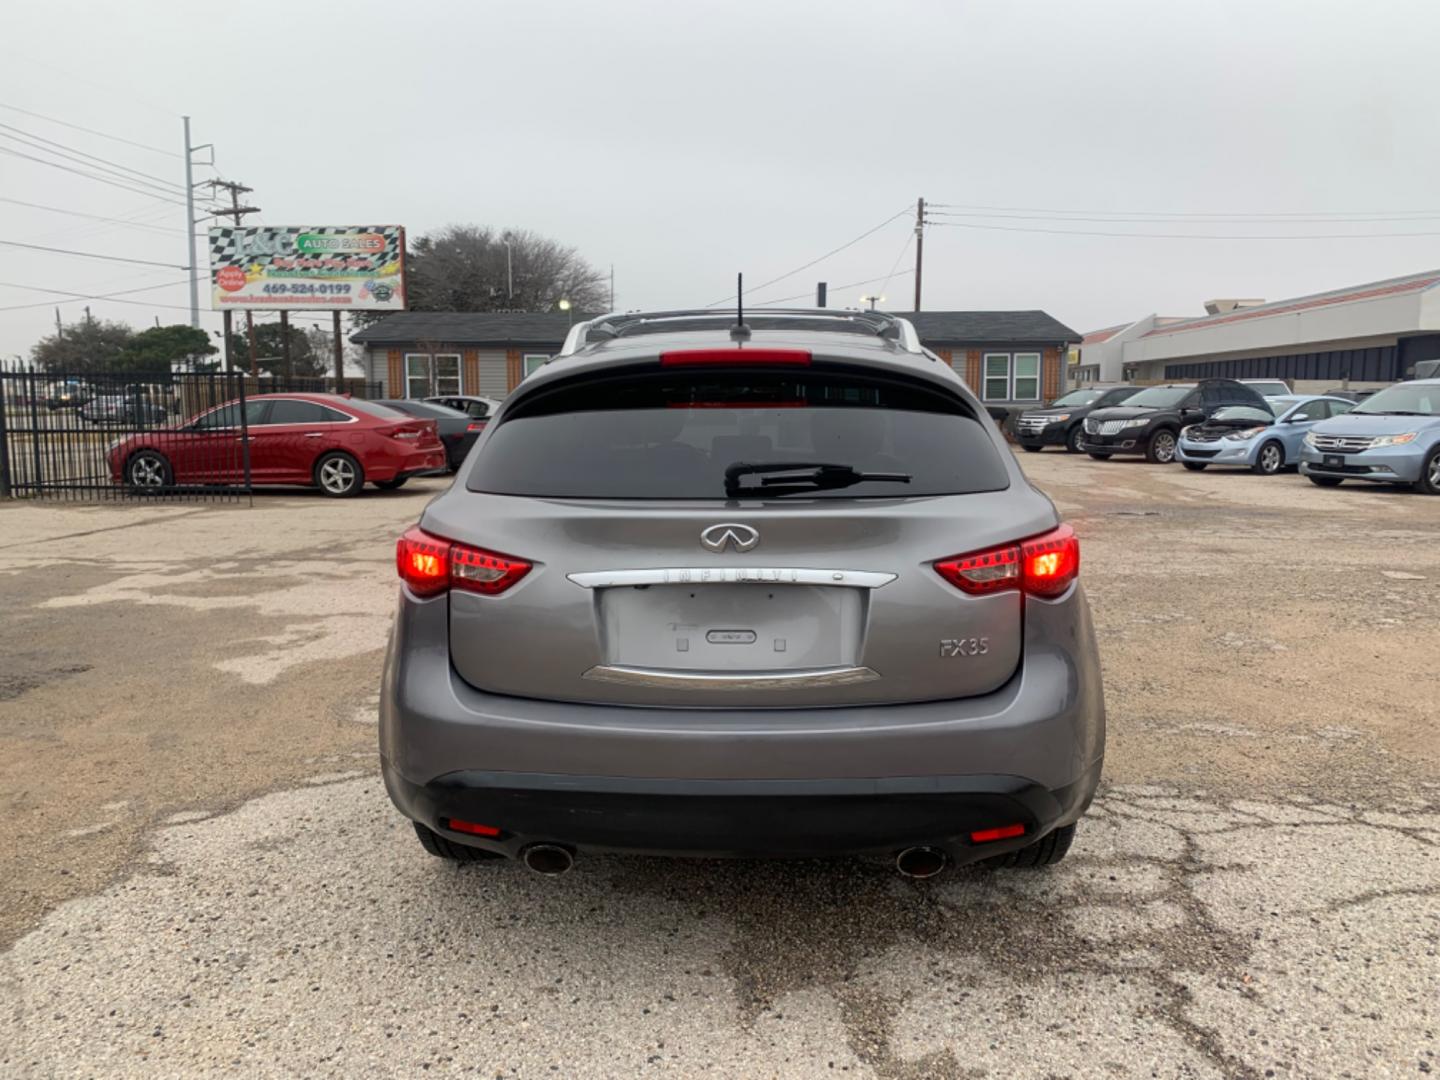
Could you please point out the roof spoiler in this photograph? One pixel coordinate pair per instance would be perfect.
(880, 323)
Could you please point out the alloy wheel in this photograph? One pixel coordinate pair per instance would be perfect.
(147, 471)
(337, 475)
(1435, 471)
(1270, 458)
(1164, 448)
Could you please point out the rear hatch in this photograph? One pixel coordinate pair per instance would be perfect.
(651, 587)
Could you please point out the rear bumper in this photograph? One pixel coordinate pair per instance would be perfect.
(745, 781)
(744, 818)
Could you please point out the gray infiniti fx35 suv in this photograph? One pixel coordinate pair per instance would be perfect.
(777, 589)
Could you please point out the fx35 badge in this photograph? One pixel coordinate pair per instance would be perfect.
(965, 646)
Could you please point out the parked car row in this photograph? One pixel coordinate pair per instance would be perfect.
(1390, 436)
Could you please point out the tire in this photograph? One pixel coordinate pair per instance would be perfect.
(1030, 449)
(148, 471)
(1100, 457)
(1160, 447)
(1195, 466)
(391, 485)
(1325, 481)
(1074, 440)
(443, 848)
(1047, 851)
(339, 475)
(1270, 460)
(1429, 482)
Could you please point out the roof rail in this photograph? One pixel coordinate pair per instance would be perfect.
(881, 323)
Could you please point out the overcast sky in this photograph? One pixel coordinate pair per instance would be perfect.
(682, 141)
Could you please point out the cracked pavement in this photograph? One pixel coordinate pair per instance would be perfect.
(228, 891)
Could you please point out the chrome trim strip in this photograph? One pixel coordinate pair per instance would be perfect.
(730, 575)
(739, 680)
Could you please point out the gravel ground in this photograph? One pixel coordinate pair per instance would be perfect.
(202, 875)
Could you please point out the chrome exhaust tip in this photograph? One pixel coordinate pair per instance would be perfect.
(551, 860)
(921, 862)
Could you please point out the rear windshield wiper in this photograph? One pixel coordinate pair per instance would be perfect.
(795, 477)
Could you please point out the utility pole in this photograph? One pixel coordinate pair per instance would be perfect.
(612, 286)
(919, 247)
(821, 288)
(235, 213)
(339, 356)
(190, 228)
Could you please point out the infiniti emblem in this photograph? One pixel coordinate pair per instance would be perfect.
(740, 537)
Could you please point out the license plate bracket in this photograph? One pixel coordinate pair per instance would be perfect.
(731, 627)
(1335, 461)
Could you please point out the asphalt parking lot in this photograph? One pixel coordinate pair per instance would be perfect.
(201, 874)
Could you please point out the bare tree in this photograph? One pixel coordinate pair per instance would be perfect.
(477, 268)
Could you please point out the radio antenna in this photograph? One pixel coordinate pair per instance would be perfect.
(739, 332)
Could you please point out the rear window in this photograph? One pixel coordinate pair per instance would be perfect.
(672, 436)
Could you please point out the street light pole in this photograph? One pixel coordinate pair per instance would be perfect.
(509, 273)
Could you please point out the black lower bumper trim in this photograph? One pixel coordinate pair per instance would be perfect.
(764, 818)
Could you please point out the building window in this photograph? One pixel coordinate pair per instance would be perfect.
(1027, 377)
(532, 362)
(447, 373)
(997, 377)
(417, 375)
(431, 376)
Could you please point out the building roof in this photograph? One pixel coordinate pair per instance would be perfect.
(1375, 290)
(550, 328)
(468, 328)
(989, 327)
(1095, 337)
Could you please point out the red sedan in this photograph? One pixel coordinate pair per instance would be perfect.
(333, 442)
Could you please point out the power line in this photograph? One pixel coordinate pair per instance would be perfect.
(822, 258)
(909, 237)
(834, 288)
(1123, 217)
(1187, 213)
(89, 296)
(90, 176)
(1179, 236)
(159, 180)
(119, 171)
(91, 255)
(93, 217)
(89, 131)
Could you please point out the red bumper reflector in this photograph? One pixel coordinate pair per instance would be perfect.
(743, 357)
(1004, 832)
(472, 828)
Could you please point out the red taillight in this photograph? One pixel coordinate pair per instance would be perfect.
(1041, 566)
(1050, 563)
(475, 425)
(739, 356)
(1004, 832)
(471, 827)
(430, 565)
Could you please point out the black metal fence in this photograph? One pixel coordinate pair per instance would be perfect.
(112, 435)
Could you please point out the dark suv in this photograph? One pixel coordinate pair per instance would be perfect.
(1059, 423)
(1149, 423)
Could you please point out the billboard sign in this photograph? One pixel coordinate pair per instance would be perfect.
(359, 267)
